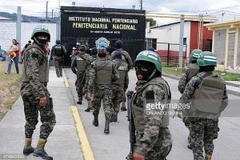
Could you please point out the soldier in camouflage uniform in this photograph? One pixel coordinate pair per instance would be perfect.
(78, 67)
(89, 60)
(126, 57)
(102, 73)
(121, 85)
(153, 138)
(208, 96)
(58, 51)
(188, 72)
(35, 94)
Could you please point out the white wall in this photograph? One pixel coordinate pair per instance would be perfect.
(170, 34)
(8, 32)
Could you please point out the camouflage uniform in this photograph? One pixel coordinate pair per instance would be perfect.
(188, 72)
(203, 128)
(58, 52)
(102, 90)
(118, 87)
(153, 138)
(126, 57)
(32, 91)
(81, 74)
(89, 60)
(154, 141)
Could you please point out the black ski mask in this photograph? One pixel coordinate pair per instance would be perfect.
(145, 69)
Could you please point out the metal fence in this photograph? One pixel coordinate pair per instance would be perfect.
(169, 52)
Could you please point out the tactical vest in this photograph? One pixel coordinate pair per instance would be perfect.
(193, 70)
(139, 111)
(81, 63)
(58, 50)
(122, 70)
(208, 96)
(104, 72)
(43, 67)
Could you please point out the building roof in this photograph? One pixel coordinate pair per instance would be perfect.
(164, 25)
(225, 24)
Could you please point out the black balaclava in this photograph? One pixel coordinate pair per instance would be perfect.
(206, 68)
(146, 74)
(40, 41)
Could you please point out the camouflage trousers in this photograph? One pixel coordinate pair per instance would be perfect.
(85, 88)
(31, 110)
(104, 94)
(202, 133)
(162, 148)
(58, 63)
(117, 97)
(80, 83)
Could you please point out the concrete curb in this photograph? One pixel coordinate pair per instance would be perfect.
(236, 93)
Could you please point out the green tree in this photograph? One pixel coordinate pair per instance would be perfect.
(152, 21)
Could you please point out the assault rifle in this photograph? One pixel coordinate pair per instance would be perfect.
(132, 137)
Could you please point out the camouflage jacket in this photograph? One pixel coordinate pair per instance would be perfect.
(118, 62)
(84, 56)
(192, 86)
(126, 56)
(34, 56)
(152, 122)
(187, 74)
(93, 72)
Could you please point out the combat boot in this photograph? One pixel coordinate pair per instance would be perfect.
(79, 100)
(39, 150)
(89, 106)
(208, 157)
(123, 108)
(189, 143)
(28, 149)
(115, 118)
(106, 129)
(95, 121)
(189, 146)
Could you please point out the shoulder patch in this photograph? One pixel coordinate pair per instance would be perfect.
(34, 55)
(149, 95)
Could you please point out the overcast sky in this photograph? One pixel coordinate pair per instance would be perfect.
(222, 9)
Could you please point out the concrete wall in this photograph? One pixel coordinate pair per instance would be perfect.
(238, 53)
(231, 43)
(219, 47)
(8, 32)
(170, 34)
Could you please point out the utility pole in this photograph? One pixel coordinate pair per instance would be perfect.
(58, 23)
(141, 5)
(46, 11)
(180, 54)
(200, 32)
(18, 28)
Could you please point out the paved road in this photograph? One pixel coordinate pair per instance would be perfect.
(116, 146)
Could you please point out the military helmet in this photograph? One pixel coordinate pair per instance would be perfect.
(195, 54)
(151, 57)
(40, 29)
(207, 58)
